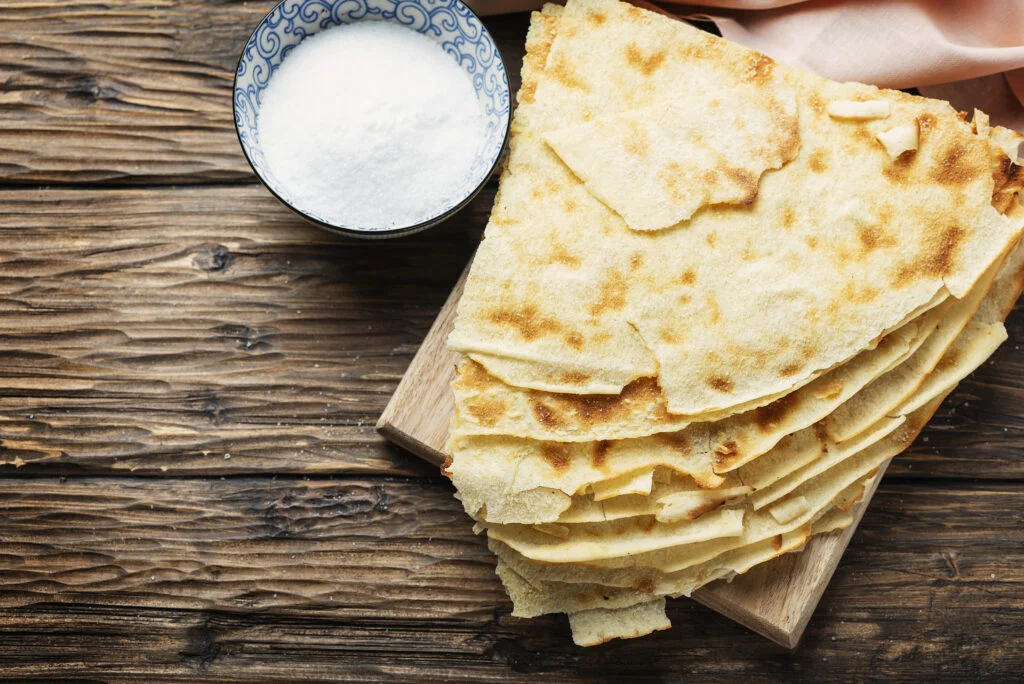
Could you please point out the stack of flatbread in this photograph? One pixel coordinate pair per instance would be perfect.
(715, 295)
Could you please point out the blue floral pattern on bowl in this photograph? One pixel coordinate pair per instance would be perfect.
(449, 22)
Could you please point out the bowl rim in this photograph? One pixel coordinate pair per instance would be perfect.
(370, 234)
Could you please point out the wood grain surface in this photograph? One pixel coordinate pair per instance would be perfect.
(159, 312)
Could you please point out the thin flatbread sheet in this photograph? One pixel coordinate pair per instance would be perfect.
(496, 472)
(722, 314)
(606, 546)
(601, 625)
(486, 406)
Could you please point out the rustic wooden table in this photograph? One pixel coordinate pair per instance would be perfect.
(191, 482)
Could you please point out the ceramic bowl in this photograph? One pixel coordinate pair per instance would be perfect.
(448, 22)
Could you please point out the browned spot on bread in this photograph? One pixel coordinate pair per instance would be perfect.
(567, 76)
(956, 167)
(812, 242)
(645, 584)
(528, 322)
(637, 141)
(720, 383)
(714, 311)
(597, 18)
(677, 441)
(574, 340)
(711, 238)
(537, 56)
(759, 67)
(874, 237)
(544, 414)
(818, 161)
(446, 466)
(599, 456)
(645, 64)
(788, 218)
(791, 369)
(527, 92)
(556, 455)
(673, 179)
(710, 177)
(777, 542)
(688, 277)
(899, 170)
(669, 337)
(938, 260)
(685, 299)
(570, 205)
(703, 508)
(863, 294)
(486, 410)
(641, 389)
(636, 261)
(559, 255)
(821, 434)
(612, 295)
(724, 455)
(573, 378)
(473, 376)
(770, 416)
(590, 409)
(816, 104)
(647, 523)
(949, 360)
(747, 182)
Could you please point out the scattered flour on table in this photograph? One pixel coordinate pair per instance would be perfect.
(371, 125)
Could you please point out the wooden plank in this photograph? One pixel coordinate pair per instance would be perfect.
(124, 578)
(126, 92)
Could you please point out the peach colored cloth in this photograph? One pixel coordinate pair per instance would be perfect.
(891, 43)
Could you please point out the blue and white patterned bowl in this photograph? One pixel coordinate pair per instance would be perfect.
(448, 22)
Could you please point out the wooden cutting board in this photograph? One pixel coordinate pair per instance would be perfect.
(775, 599)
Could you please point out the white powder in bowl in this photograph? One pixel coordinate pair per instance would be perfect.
(372, 126)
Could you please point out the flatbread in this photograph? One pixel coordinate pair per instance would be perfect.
(726, 324)
(680, 498)
(598, 541)
(496, 472)
(604, 548)
(486, 406)
(531, 598)
(600, 625)
(630, 161)
(742, 438)
(890, 390)
(708, 364)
